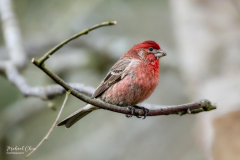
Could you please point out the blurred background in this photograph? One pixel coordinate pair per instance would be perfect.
(202, 40)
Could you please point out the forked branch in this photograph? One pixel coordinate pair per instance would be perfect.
(190, 108)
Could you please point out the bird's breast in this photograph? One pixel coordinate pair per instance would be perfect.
(135, 87)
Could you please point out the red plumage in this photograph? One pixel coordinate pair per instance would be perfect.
(130, 81)
(147, 44)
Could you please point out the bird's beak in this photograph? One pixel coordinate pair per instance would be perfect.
(160, 53)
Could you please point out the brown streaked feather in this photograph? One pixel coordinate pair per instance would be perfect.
(115, 74)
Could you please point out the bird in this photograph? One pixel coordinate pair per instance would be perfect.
(130, 81)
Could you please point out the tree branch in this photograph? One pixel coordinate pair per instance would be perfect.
(195, 107)
(12, 35)
(47, 92)
(190, 108)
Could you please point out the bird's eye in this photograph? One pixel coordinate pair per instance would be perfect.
(150, 49)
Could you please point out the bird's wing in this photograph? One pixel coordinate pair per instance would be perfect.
(115, 74)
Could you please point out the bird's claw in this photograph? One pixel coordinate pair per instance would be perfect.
(145, 111)
(133, 109)
(128, 115)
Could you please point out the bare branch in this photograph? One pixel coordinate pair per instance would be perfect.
(12, 34)
(196, 107)
(47, 92)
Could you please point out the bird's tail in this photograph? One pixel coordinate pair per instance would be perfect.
(76, 116)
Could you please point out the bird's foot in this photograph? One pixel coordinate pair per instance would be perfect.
(132, 111)
(145, 111)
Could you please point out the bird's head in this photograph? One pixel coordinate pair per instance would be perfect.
(148, 51)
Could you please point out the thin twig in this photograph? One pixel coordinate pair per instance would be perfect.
(86, 31)
(54, 124)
